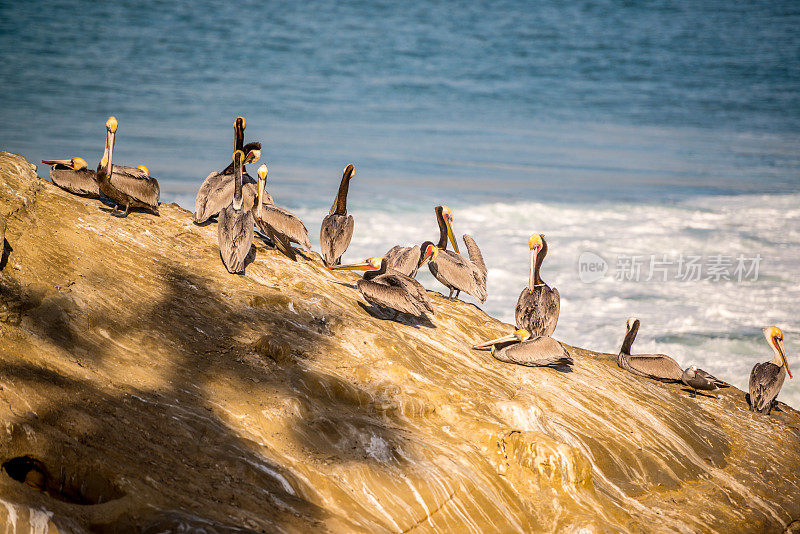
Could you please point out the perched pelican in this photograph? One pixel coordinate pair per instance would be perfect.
(538, 305)
(656, 366)
(337, 227)
(391, 289)
(216, 192)
(452, 269)
(132, 187)
(766, 379)
(235, 228)
(522, 349)
(697, 379)
(74, 176)
(282, 226)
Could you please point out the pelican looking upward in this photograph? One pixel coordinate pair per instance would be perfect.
(337, 227)
(766, 379)
(656, 366)
(538, 305)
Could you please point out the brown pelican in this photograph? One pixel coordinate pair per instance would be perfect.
(452, 269)
(766, 379)
(216, 192)
(538, 305)
(656, 366)
(73, 175)
(235, 227)
(697, 379)
(282, 226)
(337, 228)
(391, 289)
(522, 349)
(132, 187)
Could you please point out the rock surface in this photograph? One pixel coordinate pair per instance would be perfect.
(157, 392)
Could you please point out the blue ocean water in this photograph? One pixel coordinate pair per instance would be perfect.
(616, 127)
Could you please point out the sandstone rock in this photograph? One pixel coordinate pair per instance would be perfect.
(158, 391)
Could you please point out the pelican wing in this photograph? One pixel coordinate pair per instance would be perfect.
(766, 380)
(281, 242)
(216, 192)
(285, 223)
(657, 366)
(334, 237)
(235, 237)
(403, 259)
(537, 352)
(713, 379)
(475, 255)
(389, 291)
(537, 311)
(136, 184)
(455, 271)
(82, 182)
(415, 289)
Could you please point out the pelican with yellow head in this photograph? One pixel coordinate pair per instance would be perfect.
(281, 225)
(456, 272)
(766, 379)
(538, 304)
(131, 187)
(73, 175)
(521, 348)
(387, 288)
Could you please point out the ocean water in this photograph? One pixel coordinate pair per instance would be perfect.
(616, 128)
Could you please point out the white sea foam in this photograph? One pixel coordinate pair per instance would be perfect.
(716, 325)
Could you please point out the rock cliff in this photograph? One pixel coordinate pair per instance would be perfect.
(142, 387)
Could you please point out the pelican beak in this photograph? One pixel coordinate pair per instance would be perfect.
(360, 266)
(430, 253)
(65, 162)
(491, 343)
(450, 235)
(531, 277)
(782, 352)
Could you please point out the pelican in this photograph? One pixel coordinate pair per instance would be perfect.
(391, 289)
(655, 366)
(282, 226)
(522, 349)
(74, 176)
(216, 191)
(697, 379)
(337, 228)
(766, 379)
(132, 187)
(235, 228)
(452, 269)
(538, 304)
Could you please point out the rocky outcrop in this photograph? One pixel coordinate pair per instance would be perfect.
(142, 387)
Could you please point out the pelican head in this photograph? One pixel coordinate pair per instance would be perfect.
(349, 171)
(370, 264)
(429, 252)
(447, 218)
(633, 322)
(111, 124)
(76, 164)
(262, 172)
(144, 169)
(252, 156)
(240, 122)
(774, 337)
(536, 244)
